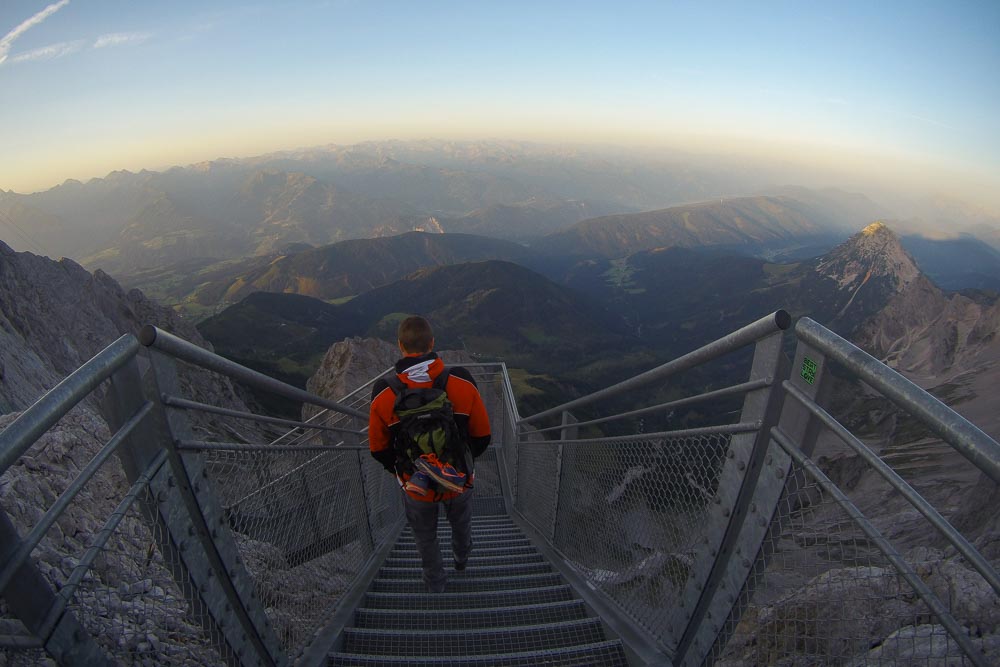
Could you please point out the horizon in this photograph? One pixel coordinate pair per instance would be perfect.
(902, 96)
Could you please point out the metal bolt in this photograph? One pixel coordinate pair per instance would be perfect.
(746, 563)
(725, 512)
(741, 466)
(770, 460)
(161, 496)
(780, 473)
(730, 454)
(753, 508)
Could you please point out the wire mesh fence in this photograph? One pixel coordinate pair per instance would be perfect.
(629, 515)
(305, 522)
(821, 592)
(113, 579)
(133, 605)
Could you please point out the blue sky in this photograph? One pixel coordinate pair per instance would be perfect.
(87, 86)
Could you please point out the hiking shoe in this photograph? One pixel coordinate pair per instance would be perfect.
(442, 473)
(419, 483)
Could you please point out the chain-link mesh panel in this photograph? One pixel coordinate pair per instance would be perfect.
(131, 603)
(537, 471)
(631, 517)
(127, 600)
(306, 522)
(821, 592)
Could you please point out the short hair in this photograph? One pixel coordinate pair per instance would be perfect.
(415, 335)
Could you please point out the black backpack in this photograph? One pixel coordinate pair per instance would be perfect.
(426, 424)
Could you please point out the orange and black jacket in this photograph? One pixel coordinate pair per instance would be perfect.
(420, 371)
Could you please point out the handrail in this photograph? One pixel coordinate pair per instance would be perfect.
(892, 555)
(964, 436)
(101, 539)
(53, 406)
(721, 429)
(201, 445)
(741, 388)
(776, 321)
(151, 336)
(184, 404)
(59, 506)
(892, 477)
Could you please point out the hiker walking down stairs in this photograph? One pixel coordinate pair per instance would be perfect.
(427, 425)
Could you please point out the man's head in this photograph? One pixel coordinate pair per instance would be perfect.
(415, 336)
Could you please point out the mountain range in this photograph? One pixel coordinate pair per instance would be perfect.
(127, 223)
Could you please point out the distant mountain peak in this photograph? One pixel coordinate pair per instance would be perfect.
(873, 253)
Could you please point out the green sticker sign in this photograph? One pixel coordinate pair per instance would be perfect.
(809, 370)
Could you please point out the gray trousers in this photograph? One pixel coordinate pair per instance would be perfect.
(423, 518)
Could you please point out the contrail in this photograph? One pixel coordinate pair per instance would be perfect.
(7, 40)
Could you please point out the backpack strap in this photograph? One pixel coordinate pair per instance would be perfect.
(441, 381)
(394, 383)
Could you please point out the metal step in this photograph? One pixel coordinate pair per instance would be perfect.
(414, 573)
(478, 551)
(596, 654)
(476, 559)
(464, 585)
(498, 533)
(469, 600)
(481, 619)
(473, 642)
(477, 542)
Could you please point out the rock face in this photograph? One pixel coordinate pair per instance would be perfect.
(55, 315)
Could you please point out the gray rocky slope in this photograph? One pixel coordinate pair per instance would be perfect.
(54, 316)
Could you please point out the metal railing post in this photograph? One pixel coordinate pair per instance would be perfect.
(568, 433)
(736, 530)
(194, 519)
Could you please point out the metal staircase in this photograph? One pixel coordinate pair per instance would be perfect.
(509, 607)
(597, 540)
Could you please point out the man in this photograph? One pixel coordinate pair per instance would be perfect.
(419, 368)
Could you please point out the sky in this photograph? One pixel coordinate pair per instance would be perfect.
(90, 86)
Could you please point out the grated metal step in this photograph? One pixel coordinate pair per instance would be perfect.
(478, 543)
(598, 654)
(476, 559)
(473, 642)
(508, 608)
(486, 571)
(463, 585)
(469, 600)
(455, 619)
